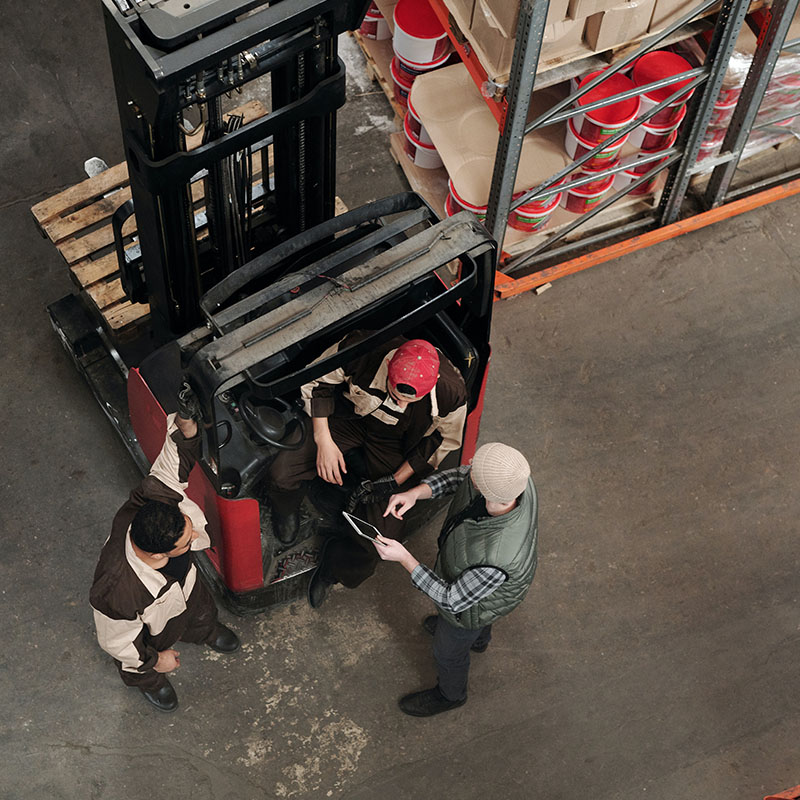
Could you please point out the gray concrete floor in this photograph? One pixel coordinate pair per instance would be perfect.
(655, 657)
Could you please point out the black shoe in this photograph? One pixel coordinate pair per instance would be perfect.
(320, 584)
(225, 640)
(286, 526)
(427, 703)
(318, 589)
(164, 699)
(430, 623)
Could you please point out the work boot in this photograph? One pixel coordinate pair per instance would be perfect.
(320, 584)
(427, 703)
(225, 640)
(318, 589)
(164, 699)
(286, 526)
(430, 623)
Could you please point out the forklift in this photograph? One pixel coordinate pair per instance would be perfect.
(247, 292)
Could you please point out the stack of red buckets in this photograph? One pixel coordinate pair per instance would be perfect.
(374, 25)
(420, 45)
(591, 128)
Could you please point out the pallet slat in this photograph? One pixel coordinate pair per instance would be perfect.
(378, 55)
(78, 195)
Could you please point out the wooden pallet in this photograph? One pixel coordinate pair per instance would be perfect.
(379, 55)
(430, 184)
(78, 222)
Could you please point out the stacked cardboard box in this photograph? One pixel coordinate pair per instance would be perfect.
(490, 25)
(573, 28)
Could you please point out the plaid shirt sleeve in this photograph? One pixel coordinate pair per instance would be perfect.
(470, 587)
(446, 481)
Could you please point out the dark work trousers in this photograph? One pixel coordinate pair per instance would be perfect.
(451, 647)
(349, 558)
(195, 625)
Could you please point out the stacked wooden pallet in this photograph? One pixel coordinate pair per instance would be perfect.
(78, 222)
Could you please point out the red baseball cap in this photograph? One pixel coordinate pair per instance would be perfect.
(415, 364)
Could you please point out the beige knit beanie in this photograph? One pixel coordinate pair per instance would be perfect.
(500, 472)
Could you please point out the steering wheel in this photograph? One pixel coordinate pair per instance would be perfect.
(274, 422)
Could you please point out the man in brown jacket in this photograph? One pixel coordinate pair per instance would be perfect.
(404, 405)
(146, 594)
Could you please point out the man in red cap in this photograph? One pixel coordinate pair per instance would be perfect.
(403, 406)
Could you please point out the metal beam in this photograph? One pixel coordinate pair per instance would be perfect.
(770, 41)
(726, 32)
(530, 29)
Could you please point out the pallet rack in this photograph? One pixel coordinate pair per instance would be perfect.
(562, 251)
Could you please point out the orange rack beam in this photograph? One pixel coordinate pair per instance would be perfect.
(467, 55)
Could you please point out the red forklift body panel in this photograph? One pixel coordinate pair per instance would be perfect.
(233, 525)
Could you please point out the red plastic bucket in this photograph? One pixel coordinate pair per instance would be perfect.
(423, 155)
(542, 203)
(722, 112)
(599, 183)
(656, 137)
(463, 205)
(416, 126)
(576, 145)
(413, 69)
(729, 94)
(640, 169)
(528, 218)
(402, 83)
(419, 37)
(601, 123)
(714, 136)
(708, 149)
(622, 179)
(375, 27)
(656, 66)
(579, 201)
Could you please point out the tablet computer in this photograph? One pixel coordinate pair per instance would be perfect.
(363, 528)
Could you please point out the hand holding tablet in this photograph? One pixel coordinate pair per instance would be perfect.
(363, 528)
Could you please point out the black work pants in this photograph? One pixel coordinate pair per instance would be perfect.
(451, 647)
(195, 625)
(349, 558)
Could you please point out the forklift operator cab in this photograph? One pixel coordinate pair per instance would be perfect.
(378, 269)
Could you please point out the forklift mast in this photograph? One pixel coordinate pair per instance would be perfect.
(172, 59)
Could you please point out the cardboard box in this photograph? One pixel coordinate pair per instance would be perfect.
(668, 11)
(579, 9)
(562, 38)
(558, 11)
(495, 50)
(462, 11)
(506, 12)
(619, 25)
(495, 47)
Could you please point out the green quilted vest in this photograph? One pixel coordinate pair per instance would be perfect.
(507, 542)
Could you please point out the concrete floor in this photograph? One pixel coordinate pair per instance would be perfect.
(655, 657)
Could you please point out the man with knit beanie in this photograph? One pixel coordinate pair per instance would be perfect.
(485, 565)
